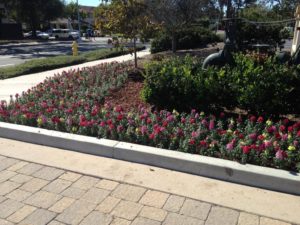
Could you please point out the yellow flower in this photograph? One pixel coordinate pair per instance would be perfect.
(137, 130)
(175, 112)
(74, 129)
(61, 120)
(269, 122)
(289, 136)
(202, 113)
(39, 121)
(229, 131)
(291, 148)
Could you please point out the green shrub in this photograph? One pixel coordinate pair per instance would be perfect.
(181, 84)
(186, 39)
(259, 87)
(265, 87)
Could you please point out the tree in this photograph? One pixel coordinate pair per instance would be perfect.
(35, 12)
(176, 14)
(70, 11)
(127, 17)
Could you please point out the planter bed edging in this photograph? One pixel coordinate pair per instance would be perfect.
(257, 176)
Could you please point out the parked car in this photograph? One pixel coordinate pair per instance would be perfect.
(65, 34)
(39, 35)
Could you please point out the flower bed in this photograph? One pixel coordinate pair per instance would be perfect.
(73, 102)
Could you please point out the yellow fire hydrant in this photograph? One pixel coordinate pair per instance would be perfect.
(75, 48)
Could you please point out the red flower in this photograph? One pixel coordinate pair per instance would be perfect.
(151, 136)
(182, 120)
(192, 141)
(298, 133)
(282, 128)
(260, 119)
(120, 117)
(252, 119)
(192, 120)
(246, 149)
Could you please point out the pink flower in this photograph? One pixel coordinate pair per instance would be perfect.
(260, 119)
(195, 134)
(230, 146)
(246, 149)
(280, 154)
(211, 124)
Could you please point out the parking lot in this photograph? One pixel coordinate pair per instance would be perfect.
(13, 54)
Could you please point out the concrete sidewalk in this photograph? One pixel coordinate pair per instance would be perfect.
(36, 187)
(16, 85)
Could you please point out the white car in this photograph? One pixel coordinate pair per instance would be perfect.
(39, 35)
(65, 34)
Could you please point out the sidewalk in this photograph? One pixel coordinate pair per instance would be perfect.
(16, 85)
(36, 187)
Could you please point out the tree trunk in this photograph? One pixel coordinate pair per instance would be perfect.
(134, 49)
(174, 42)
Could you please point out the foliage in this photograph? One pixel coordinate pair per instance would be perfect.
(174, 15)
(70, 11)
(187, 39)
(126, 17)
(181, 84)
(35, 12)
(265, 86)
(248, 33)
(257, 86)
(73, 102)
(38, 65)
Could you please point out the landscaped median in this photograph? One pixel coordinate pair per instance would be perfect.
(73, 102)
(38, 65)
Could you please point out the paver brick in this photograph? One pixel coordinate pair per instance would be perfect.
(268, 221)
(48, 173)
(18, 195)
(57, 186)
(108, 204)
(153, 213)
(21, 214)
(2, 199)
(62, 204)
(120, 221)
(17, 166)
(8, 207)
(38, 217)
(174, 203)
(248, 219)
(7, 187)
(21, 178)
(30, 168)
(85, 182)
(6, 174)
(54, 222)
(219, 215)
(127, 210)
(176, 219)
(5, 222)
(34, 185)
(154, 198)
(95, 195)
(7, 162)
(43, 199)
(145, 221)
(71, 192)
(96, 218)
(107, 184)
(70, 176)
(76, 212)
(196, 209)
(128, 192)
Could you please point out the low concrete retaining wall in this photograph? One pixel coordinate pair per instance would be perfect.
(268, 178)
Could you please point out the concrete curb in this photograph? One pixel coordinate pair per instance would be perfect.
(268, 178)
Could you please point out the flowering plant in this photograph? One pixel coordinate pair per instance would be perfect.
(73, 102)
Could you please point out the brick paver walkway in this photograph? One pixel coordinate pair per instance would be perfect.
(33, 194)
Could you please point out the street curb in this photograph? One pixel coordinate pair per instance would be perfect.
(262, 177)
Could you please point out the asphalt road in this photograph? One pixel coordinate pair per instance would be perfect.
(13, 54)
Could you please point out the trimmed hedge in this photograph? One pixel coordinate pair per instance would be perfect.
(186, 39)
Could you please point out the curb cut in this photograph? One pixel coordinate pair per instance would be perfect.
(262, 177)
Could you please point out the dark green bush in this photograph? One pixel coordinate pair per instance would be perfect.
(259, 87)
(265, 87)
(181, 84)
(186, 39)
